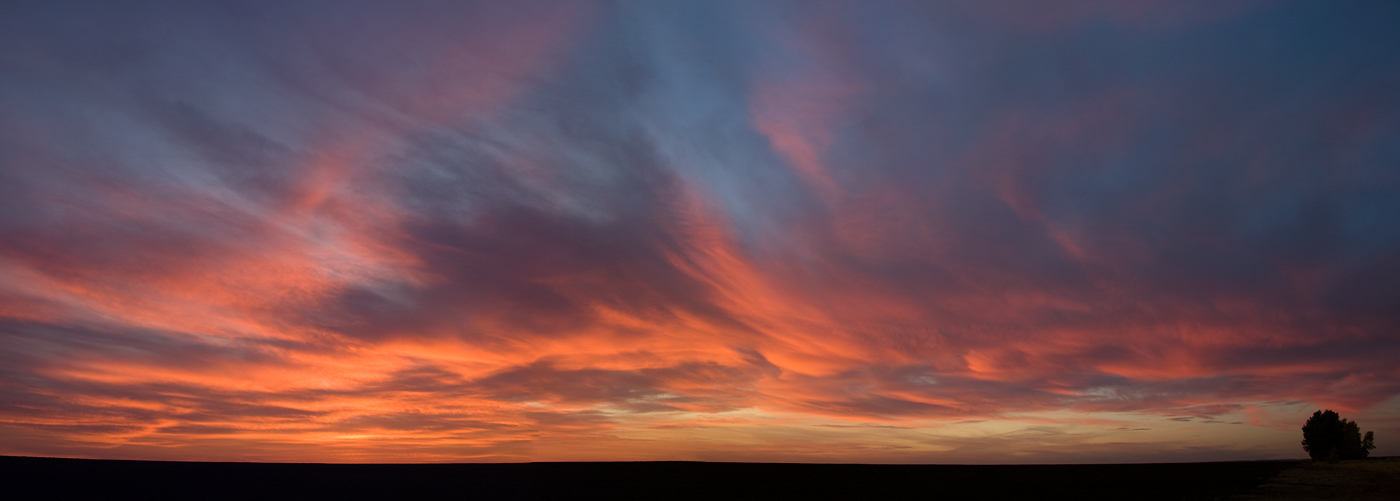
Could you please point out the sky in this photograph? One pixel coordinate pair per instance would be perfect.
(860, 232)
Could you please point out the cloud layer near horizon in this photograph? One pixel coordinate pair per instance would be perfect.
(431, 231)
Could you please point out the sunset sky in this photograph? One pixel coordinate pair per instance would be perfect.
(883, 232)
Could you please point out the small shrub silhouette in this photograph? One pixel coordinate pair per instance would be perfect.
(1328, 437)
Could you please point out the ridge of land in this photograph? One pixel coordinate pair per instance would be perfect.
(55, 478)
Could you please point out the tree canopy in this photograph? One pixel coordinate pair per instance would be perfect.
(1326, 436)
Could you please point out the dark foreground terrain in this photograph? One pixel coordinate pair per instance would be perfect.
(44, 478)
(1366, 480)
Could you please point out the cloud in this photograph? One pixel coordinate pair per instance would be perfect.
(437, 231)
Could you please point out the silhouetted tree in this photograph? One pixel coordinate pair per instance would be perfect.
(1326, 436)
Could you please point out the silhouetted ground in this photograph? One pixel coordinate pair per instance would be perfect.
(1359, 480)
(46, 478)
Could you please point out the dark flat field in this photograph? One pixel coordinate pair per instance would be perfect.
(1367, 480)
(46, 478)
